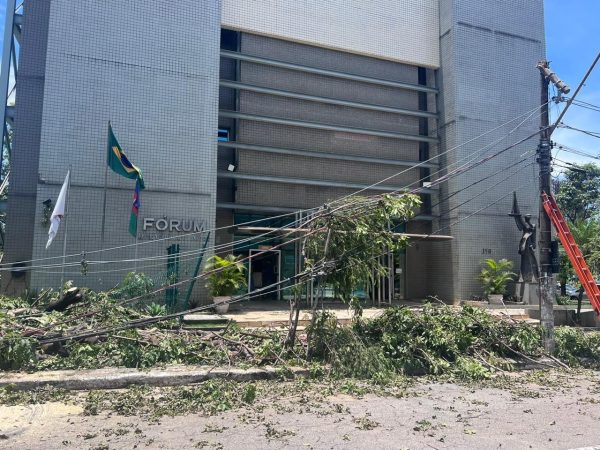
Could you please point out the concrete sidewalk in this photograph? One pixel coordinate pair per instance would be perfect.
(278, 317)
(119, 378)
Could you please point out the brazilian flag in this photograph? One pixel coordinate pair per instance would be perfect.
(120, 164)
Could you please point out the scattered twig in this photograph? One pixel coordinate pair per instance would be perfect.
(231, 341)
(559, 362)
(516, 352)
(259, 336)
(137, 341)
(278, 357)
(487, 363)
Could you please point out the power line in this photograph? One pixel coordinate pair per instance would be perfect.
(465, 167)
(586, 103)
(479, 210)
(161, 289)
(575, 151)
(591, 108)
(529, 114)
(303, 278)
(186, 258)
(150, 320)
(595, 134)
(490, 187)
(179, 283)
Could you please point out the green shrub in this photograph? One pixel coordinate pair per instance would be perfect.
(16, 352)
(575, 346)
(439, 340)
(495, 275)
(345, 350)
(133, 285)
(156, 310)
(226, 275)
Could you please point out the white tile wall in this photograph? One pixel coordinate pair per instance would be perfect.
(385, 29)
(153, 72)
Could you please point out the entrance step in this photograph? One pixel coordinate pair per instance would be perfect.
(209, 322)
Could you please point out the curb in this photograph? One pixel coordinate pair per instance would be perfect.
(119, 378)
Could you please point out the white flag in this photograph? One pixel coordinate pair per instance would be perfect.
(59, 211)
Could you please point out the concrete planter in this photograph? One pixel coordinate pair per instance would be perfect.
(496, 299)
(221, 305)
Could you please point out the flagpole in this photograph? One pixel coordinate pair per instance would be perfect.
(136, 252)
(105, 189)
(64, 258)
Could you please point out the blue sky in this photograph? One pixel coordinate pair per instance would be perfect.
(2, 16)
(572, 43)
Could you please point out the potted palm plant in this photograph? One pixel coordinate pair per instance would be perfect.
(494, 276)
(225, 277)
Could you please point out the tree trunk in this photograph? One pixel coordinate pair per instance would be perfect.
(70, 297)
(563, 288)
(294, 316)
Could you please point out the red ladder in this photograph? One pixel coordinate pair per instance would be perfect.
(575, 256)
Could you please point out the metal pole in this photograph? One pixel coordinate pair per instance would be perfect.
(136, 253)
(196, 272)
(547, 286)
(105, 189)
(546, 277)
(64, 258)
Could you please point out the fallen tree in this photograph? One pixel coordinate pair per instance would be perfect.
(467, 343)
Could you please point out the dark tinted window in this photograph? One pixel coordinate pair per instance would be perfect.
(229, 40)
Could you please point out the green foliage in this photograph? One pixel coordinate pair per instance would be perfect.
(133, 285)
(156, 310)
(575, 346)
(345, 350)
(349, 238)
(495, 275)
(17, 352)
(209, 398)
(10, 396)
(228, 275)
(578, 197)
(162, 344)
(565, 273)
(130, 349)
(587, 236)
(7, 303)
(249, 393)
(464, 343)
(578, 194)
(468, 368)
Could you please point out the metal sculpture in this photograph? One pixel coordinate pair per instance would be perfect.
(529, 272)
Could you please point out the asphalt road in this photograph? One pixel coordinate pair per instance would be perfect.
(557, 411)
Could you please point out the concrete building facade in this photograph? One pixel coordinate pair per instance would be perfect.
(248, 109)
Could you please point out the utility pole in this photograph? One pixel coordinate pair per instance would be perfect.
(544, 158)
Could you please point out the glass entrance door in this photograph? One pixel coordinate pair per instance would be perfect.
(264, 270)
